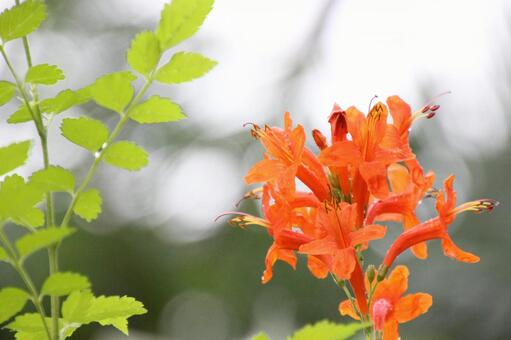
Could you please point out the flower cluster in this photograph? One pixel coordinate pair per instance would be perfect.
(366, 174)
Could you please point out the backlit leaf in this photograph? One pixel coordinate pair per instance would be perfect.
(156, 110)
(113, 91)
(52, 179)
(21, 115)
(12, 301)
(44, 74)
(63, 101)
(43, 238)
(88, 205)
(3, 255)
(22, 19)
(144, 53)
(89, 133)
(18, 200)
(13, 156)
(7, 91)
(183, 67)
(261, 336)
(326, 330)
(180, 20)
(64, 283)
(126, 155)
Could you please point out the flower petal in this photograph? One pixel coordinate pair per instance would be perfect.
(390, 330)
(275, 253)
(344, 263)
(367, 233)
(411, 306)
(453, 251)
(340, 154)
(346, 308)
(317, 267)
(265, 170)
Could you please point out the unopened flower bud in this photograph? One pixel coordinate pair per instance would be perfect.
(370, 272)
(320, 139)
(382, 271)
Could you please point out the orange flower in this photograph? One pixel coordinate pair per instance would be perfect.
(388, 307)
(436, 228)
(409, 186)
(285, 150)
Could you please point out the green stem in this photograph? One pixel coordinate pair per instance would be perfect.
(15, 261)
(99, 155)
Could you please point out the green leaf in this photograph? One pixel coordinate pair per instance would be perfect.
(17, 201)
(113, 91)
(21, 115)
(7, 91)
(88, 205)
(30, 243)
(261, 336)
(21, 20)
(156, 110)
(326, 330)
(144, 53)
(3, 255)
(81, 307)
(89, 133)
(63, 101)
(13, 156)
(29, 322)
(126, 155)
(180, 20)
(64, 283)
(12, 301)
(53, 179)
(183, 67)
(44, 74)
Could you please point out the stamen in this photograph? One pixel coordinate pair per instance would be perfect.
(477, 207)
(371, 102)
(252, 194)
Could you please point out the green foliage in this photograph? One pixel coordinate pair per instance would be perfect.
(40, 239)
(13, 156)
(52, 179)
(44, 74)
(17, 201)
(180, 20)
(183, 67)
(126, 155)
(326, 330)
(88, 205)
(7, 91)
(21, 115)
(261, 336)
(81, 308)
(144, 53)
(21, 20)
(12, 301)
(64, 100)
(113, 91)
(88, 133)
(157, 110)
(64, 283)
(20, 199)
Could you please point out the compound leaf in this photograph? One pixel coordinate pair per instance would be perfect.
(21, 20)
(53, 179)
(180, 20)
(144, 53)
(64, 283)
(126, 155)
(113, 91)
(88, 133)
(88, 205)
(183, 67)
(30, 243)
(44, 74)
(13, 156)
(156, 110)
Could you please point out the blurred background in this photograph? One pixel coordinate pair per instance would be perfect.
(156, 239)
